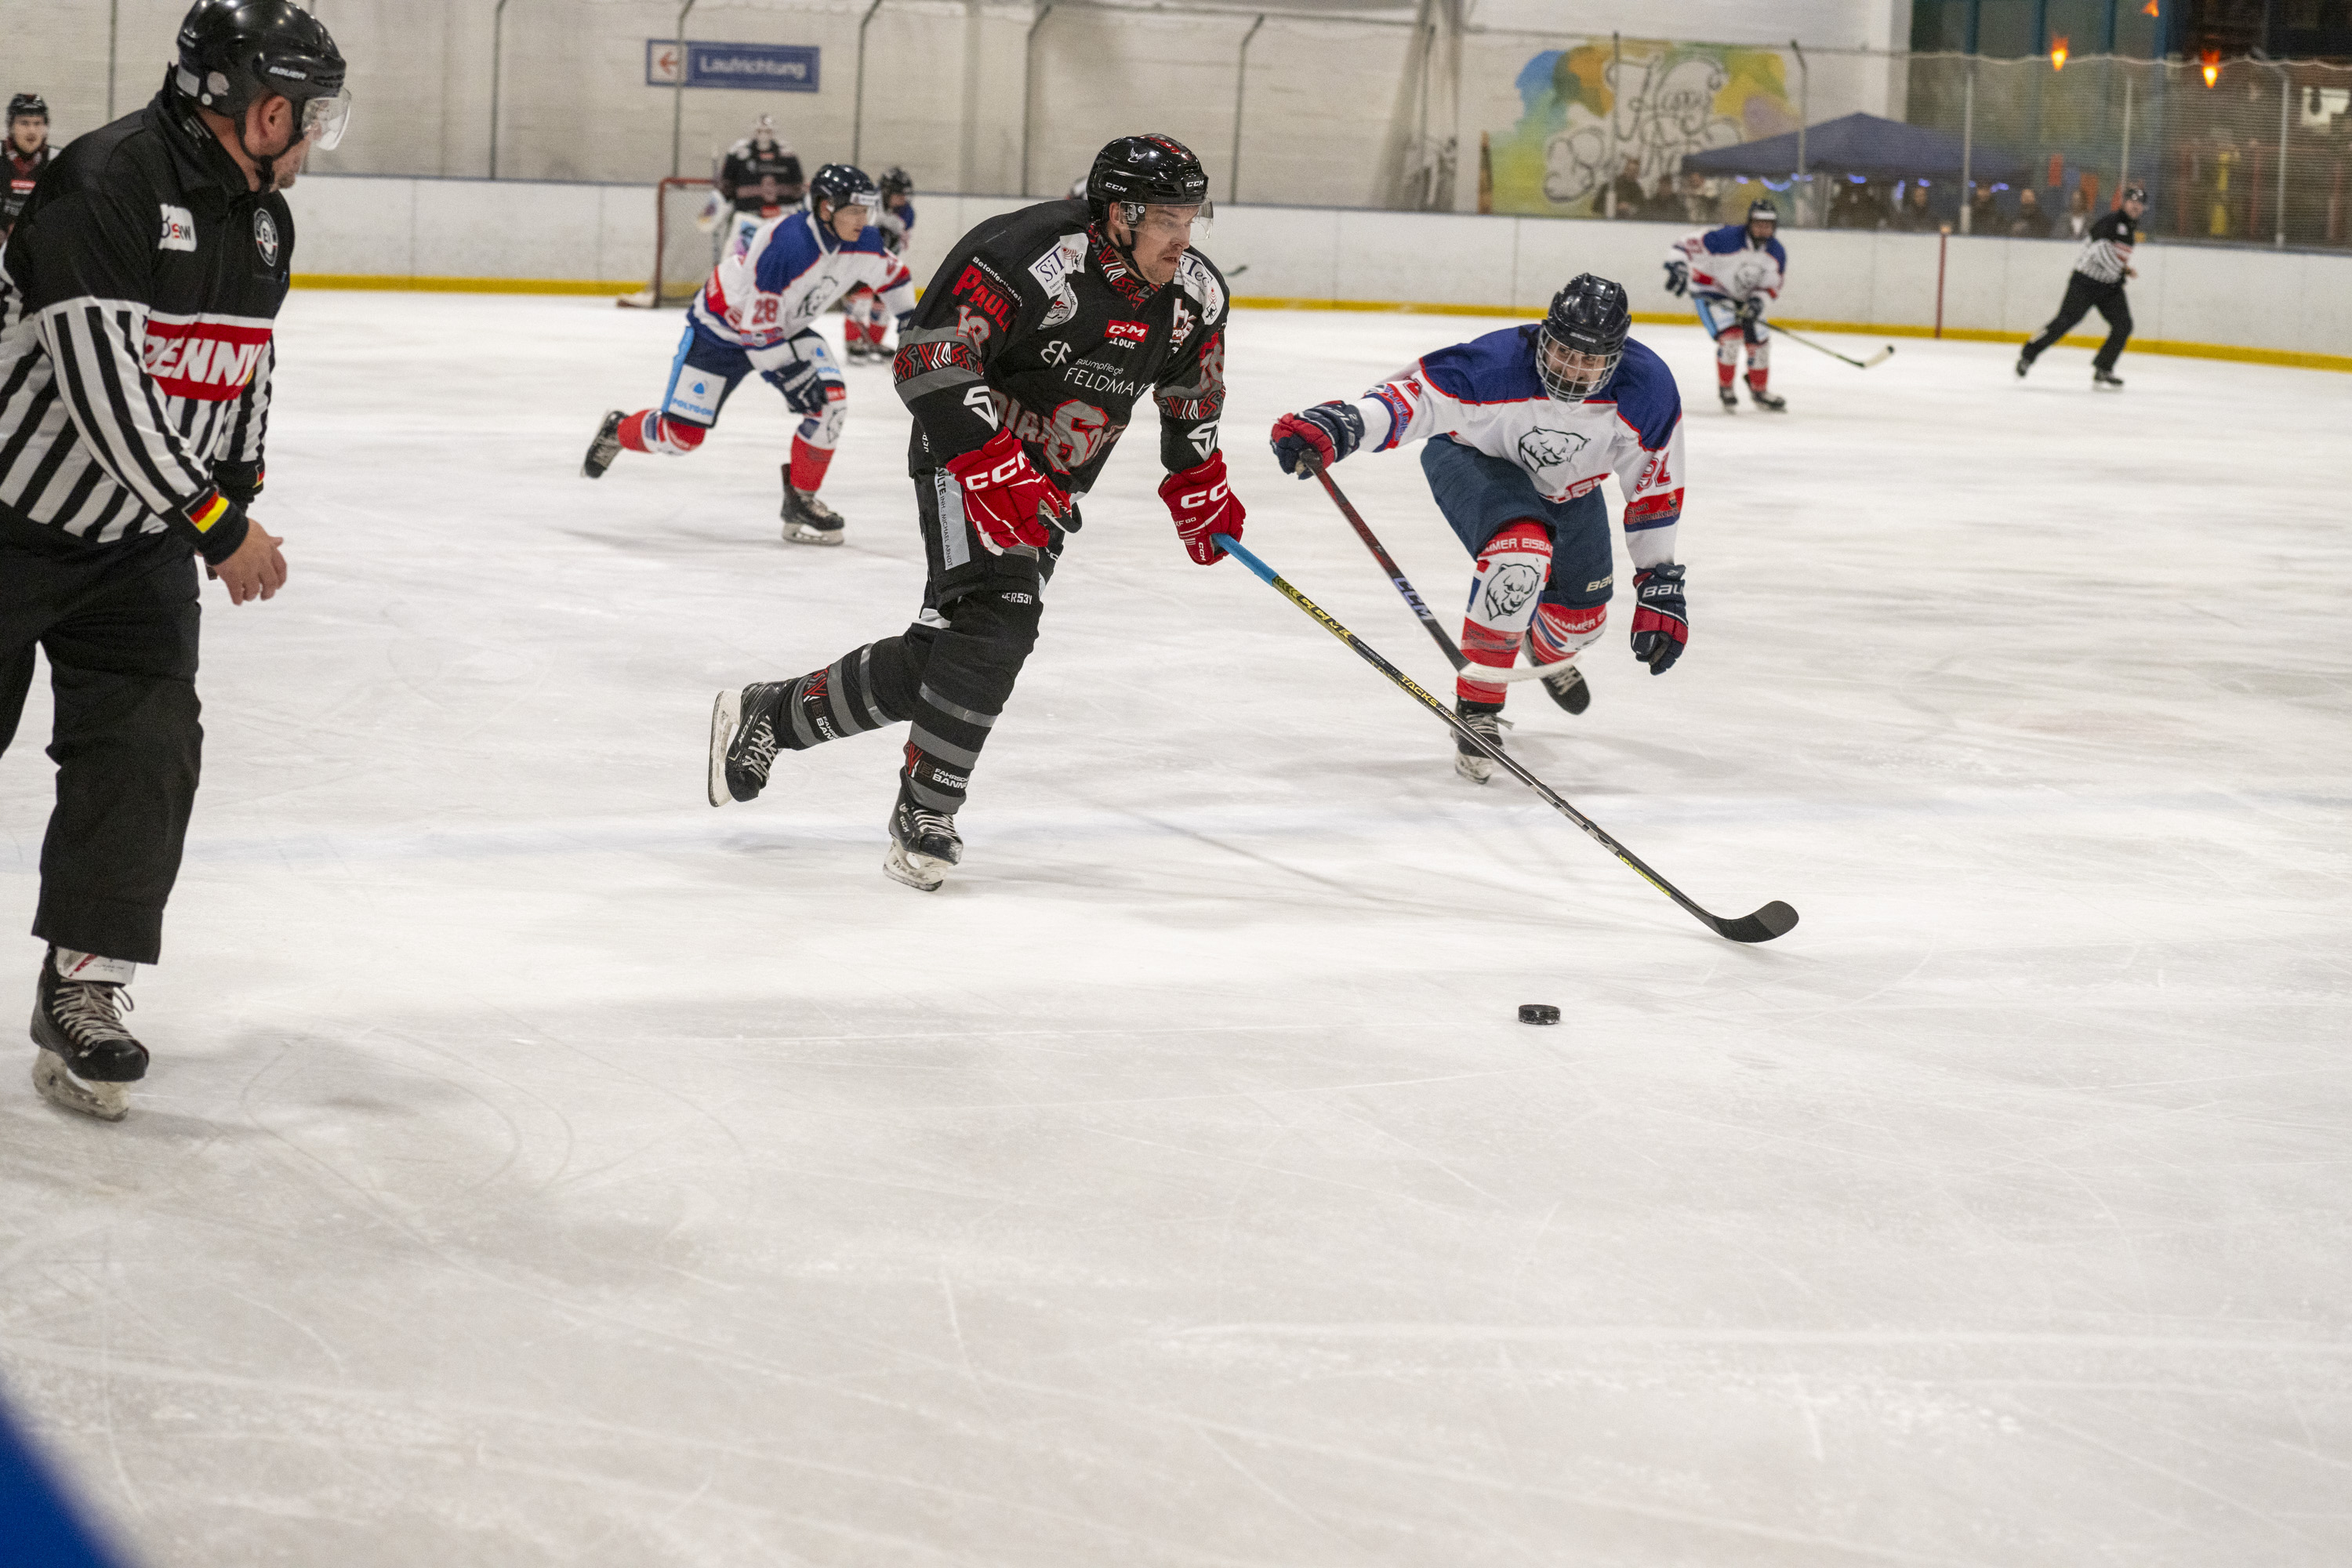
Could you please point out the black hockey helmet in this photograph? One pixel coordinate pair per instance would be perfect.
(895, 182)
(1762, 210)
(2132, 194)
(26, 103)
(1582, 337)
(843, 184)
(233, 52)
(1142, 171)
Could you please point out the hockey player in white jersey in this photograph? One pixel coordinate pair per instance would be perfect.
(1521, 427)
(759, 312)
(866, 335)
(1731, 275)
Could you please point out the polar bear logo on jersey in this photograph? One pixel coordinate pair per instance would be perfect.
(1541, 448)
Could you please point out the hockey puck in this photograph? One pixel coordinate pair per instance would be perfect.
(1539, 1013)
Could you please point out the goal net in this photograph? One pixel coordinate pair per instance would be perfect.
(683, 249)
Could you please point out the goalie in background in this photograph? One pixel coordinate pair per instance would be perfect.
(759, 312)
(758, 179)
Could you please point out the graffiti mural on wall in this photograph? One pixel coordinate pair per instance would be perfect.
(1588, 111)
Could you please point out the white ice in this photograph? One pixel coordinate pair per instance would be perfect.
(541, 1167)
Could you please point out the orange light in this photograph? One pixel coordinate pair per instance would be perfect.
(2058, 54)
(2149, 9)
(2212, 58)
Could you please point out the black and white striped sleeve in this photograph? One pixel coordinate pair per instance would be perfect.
(88, 296)
(251, 423)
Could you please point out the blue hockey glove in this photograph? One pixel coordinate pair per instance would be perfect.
(1660, 620)
(1317, 438)
(1677, 277)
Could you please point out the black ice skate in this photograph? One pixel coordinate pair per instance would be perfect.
(808, 521)
(1770, 402)
(1486, 721)
(923, 844)
(605, 449)
(744, 734)
(1568, 689)
(85, 1055)
(2105, 381)
(1730, 398)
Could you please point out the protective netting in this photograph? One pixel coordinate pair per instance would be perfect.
(2246, 152)
(683, 250)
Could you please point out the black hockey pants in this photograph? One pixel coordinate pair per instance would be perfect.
(952, 670)
(2084, 294)
(119, 624)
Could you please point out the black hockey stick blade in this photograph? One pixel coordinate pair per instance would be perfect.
(1765, 923)
(1775, 919)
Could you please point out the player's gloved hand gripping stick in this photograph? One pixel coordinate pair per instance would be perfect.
(1203, 506)
(1773, 920)
(1003, 496)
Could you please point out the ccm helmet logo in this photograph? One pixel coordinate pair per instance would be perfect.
(1131, 331)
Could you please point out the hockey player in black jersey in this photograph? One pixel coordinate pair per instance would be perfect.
(27, 154)
(2097, 283)
(1038, 336)
(758, 178)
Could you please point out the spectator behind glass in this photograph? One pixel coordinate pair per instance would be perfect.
(1914, 217)
(1627, 189)
(2031, 222)
(1984, 218)
(2078, 213)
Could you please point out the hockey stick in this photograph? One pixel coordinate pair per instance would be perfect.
(1881, 357)
(1773, 920)
(1486, 674)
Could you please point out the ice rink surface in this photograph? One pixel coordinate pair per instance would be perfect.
(541, 1167)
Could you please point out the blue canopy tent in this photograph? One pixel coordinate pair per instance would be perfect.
(1863, 144)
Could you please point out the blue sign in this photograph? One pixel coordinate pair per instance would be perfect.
(762, 68)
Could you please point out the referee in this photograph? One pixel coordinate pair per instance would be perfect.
(2097, 283)
(137, 295)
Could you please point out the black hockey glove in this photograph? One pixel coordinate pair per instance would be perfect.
(1661, 618)
(1317, 438)
(803, 388)
(238, 481)
(1749, 312)
(1677, 277)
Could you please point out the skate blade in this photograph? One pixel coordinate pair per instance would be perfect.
(107, 1102)
(726, 716)
(1478, 770)
(924, 873)
(801, 533)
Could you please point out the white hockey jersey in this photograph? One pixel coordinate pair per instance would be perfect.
(771, 288)
(1486, 394)
(1724, 261)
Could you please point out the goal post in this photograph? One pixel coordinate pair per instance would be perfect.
(684, 249)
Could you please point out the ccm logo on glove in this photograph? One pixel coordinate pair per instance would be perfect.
(1203, 504)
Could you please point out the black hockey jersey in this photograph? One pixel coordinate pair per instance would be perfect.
(2106, 248)
(137, 311)
(755, 179)
(1035, 323)
(23, 174)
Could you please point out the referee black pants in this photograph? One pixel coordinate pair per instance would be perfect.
(119, 624)
(2083, 295)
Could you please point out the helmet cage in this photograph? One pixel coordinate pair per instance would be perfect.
(1571, 373)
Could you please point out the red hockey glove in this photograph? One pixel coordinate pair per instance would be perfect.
(1201, 504)
(1662, 620)
(1008, 501)
(1318, 437)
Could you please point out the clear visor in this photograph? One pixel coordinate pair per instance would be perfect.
(1160, 225)
(324, 119)
(1569, 374)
